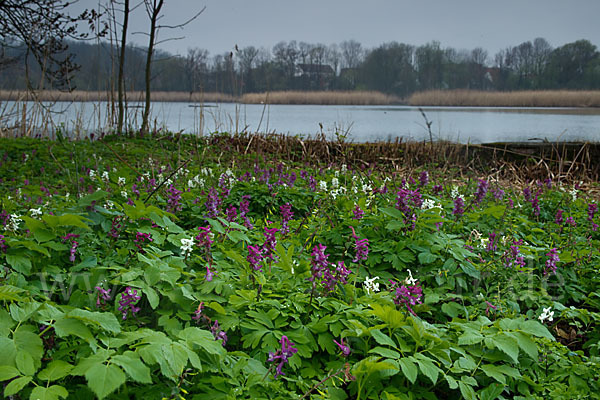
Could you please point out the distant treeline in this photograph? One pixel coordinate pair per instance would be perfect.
(393, 68)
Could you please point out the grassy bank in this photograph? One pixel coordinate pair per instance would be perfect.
(175, 266)
(533, 98)
(283, 97)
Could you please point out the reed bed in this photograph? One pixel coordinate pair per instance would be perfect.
(284, 97)
(86, 96)
(321, 98)
(531, 98)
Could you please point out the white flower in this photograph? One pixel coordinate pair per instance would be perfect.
(13, 223)
(105, 175)
(121, 181)
(92, 173)
(344, 168)
(370, 285)
(124, 194)
(366, 188)
(484, 243)
(574, 193)
(428, 204)
(322, 185)
(109, 205)
(191, 184)
(476, 235)
(186, 246)
(67, 195)
(336, 173)
(335, 183)
(546, 315)
(409, 279)
(454, 192)
(36, 211)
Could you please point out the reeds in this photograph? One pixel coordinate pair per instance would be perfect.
(284, 97)
(321, 97)
(531, 98)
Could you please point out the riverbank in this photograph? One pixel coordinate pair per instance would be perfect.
(532, 98)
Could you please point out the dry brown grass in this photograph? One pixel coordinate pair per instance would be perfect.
(284, 97)
(531, 98)
(80, 95)
(321, 97)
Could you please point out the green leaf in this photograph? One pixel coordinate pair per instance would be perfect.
(470, 270)
(409, 369)
(19, 263)
(536, 329)
(10, 293)
(467, 391)
(133, 366)
(51, 393)
(428, 368)
(87, 263)
(37, 227)
(104, 379)
(493, 372)
(96, 359)
(491, 392)
(470, 337)
(392, 212)
(25, 363)
(527, 344)
(382, 338)
(427, 258)
(385, 352)
(506, 344)
(8, 372)
(25, 311)
(29, 342)
(452, 384)
(204, 339)
(105, 320)
(70, 326)
(16, 385)
(55, 370)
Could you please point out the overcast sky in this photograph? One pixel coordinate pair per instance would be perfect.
(462, 24)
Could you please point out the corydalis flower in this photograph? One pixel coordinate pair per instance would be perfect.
(546, 315)
(218, 333)
(370, 285)
(424, 178)
(343, 347)
(102, 297)
(127, 303)
(286, 216)
(210, 274)
(318, 262)
(459, 205)
(283, 355)
(173, 199)
(3, 246)
(141, 238)
(187, 246)
(203, 239)
(198, 313)
(362, 247)
(358, 212)
(409, 295)
(553, 258)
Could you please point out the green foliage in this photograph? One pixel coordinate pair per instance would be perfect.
(69, 326)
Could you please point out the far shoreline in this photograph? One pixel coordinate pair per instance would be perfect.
(432, 98)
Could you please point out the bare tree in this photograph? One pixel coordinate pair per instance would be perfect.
(121, 76)
(195, 65)
(352, 53)
(154, 9)
(334, 57)
(42, 27)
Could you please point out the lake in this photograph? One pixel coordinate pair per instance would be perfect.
(360, 123)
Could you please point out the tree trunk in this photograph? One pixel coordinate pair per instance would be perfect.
(121, 78)
(154, 13)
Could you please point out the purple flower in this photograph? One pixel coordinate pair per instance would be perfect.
(319, 261)
(331, 278)
(173, 199)
(492, 244)
(103, 296)
(198, 312)
(3, 246)
(212, 203)
(254, 257)
(127, 303)
(283, 355)
(527, 194)
(218, 333)
(558, 219)
(489, 306)
(424, 178)
(210, 274)
(268, 247)
(459, 205)
(482, 189)
(203, 239)
(409, 295)
(571, 221)
(244, 209)
(535, 204)
(358, 212)
(343, 347)
(286, 216)
(362, 247)
(231, 214)
(592, 208)
(553, 258)
(437, 189)
(513, 257)
(141, 238)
